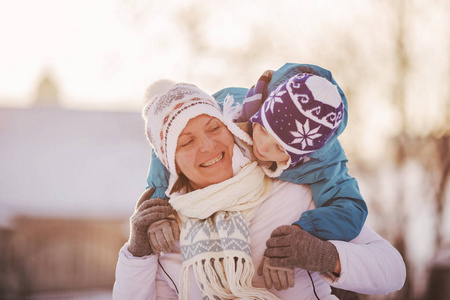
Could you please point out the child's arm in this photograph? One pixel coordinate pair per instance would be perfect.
(255, 97)
(158, 177)
(341, 210)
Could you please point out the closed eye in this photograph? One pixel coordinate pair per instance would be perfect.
(215, 126)
(263, 129)
(215, 129)
(186, 143)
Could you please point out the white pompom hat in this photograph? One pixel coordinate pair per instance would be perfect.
(170, 107)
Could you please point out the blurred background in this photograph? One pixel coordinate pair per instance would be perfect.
(73, 154)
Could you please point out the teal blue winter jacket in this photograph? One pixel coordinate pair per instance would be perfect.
(341, 210)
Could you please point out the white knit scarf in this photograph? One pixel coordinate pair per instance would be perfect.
(215, 238)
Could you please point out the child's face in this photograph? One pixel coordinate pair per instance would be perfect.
(266, 147)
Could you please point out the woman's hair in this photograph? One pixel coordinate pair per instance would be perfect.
(182, 182)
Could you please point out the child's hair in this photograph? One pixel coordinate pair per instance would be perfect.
(301, 114)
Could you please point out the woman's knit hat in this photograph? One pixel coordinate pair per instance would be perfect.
(302, 114)
(170, 107)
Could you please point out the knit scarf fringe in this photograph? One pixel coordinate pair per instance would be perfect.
(227, 278)
(228, 273)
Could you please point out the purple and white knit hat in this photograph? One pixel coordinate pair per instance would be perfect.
(302, 114)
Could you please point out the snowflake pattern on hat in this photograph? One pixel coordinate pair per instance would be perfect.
(276, 96)
(302, 114)
(304, 135)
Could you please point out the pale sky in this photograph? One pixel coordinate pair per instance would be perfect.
(104, 53)
(101, 56)
(89, 46)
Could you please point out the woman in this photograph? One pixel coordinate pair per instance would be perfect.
(229, 209)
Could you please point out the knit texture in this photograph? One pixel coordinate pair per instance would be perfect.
(301, 114)
(167, 114)
(281, 278)
(290, 246)
(163, 234)
(146, 213)
(215, 239)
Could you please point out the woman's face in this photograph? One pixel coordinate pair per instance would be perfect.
(204, 151)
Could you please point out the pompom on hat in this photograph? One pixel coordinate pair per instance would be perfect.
(170, 107)
(302, 114)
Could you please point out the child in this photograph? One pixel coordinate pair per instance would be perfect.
(341, 210)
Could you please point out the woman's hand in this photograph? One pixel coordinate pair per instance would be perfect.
(163, 234)
(290, 246)
(281, 278)
(147, 212)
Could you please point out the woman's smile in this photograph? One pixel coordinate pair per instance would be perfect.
(213, 161)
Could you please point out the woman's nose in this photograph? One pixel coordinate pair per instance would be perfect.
(207, 144)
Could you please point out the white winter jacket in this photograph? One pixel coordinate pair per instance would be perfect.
(369, 263)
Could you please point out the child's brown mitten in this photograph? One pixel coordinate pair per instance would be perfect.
(282, 278)
(163, 234)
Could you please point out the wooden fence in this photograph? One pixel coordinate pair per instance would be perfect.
(40, 255)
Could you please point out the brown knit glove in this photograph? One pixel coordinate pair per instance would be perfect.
(290, 246)
(281, 278)
(147, 211)
(163, 234)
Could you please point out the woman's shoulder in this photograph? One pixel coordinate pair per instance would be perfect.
(287, 200)
(290, 189)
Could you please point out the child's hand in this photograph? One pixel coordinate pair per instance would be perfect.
(290, 246)
(163, 234)
(281, 278)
